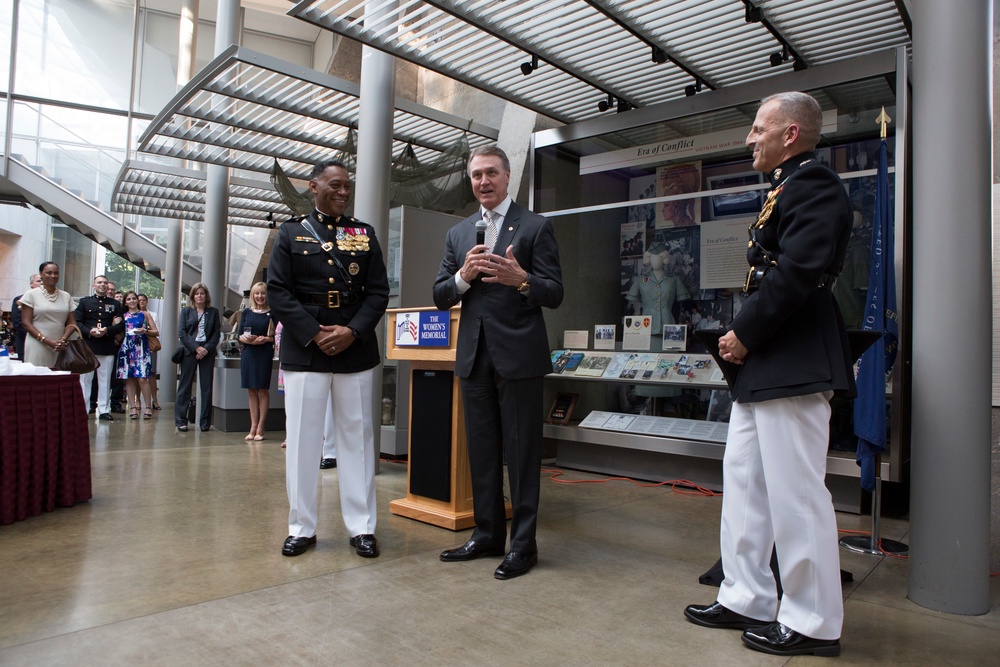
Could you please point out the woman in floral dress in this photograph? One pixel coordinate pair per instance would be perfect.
(135, 361)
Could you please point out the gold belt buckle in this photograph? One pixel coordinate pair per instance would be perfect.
(333, 299)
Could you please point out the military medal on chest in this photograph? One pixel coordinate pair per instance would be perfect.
(352, 239)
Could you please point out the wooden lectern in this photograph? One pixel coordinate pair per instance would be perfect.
(438, 483)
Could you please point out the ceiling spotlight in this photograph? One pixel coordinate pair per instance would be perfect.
(753, 13)
(624, 106)
(604, 105)
(658, 56)
(694, 88)
(799, 65)
(527, 68)
(779, 57)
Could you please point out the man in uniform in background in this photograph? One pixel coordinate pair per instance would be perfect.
(95, 315)
(328, 286)
(791, 353)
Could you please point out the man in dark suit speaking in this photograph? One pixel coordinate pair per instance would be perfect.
(502, 283)
(791, 355)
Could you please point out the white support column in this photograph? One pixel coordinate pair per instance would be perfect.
(214, 265)
(952, 306)
(371, 200)
(172, 271)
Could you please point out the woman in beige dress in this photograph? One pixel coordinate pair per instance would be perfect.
(47, 315)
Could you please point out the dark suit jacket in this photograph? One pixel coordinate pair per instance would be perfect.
(20, 334)
(93, 310)
(511, 322)
(299, 266)
(187, 329)
(792, 327)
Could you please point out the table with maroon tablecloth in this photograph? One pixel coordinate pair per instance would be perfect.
(44, 445)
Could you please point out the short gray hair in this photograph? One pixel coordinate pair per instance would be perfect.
(803, 110)
(491, 149)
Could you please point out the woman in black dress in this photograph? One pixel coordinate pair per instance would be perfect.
(256, 357)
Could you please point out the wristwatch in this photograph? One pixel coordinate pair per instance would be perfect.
(357, 334)
(523, 287)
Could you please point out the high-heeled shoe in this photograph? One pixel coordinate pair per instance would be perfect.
(248, 436)
(133, 413)
(148, 414)
(156, 406)
(258, 437)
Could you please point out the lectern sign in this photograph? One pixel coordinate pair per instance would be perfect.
(423, 329)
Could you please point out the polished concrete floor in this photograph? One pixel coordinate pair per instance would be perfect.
(176, 561)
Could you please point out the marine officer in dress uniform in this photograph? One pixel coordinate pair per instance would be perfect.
(791, 353)
(95, 316)
(328, 286)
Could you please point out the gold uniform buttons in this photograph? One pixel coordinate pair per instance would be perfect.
(330, 227)
(331, 280)
(330, 262)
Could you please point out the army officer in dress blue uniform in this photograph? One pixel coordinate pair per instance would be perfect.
(328, 286)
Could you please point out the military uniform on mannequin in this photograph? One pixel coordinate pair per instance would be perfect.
(657, 292)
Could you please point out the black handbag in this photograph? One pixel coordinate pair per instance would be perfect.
(192, 411)
(177, 355)
(77, 357)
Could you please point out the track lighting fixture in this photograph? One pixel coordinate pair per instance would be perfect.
(692, 89)
(529, 67)
(753, 14)
(604, 105)
(779, 57)
(658, 56)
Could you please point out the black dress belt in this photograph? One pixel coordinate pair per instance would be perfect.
(334, 299)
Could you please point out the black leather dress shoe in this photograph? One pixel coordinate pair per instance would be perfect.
(182, 428)
(117, 408)
(106, 417)
(205, 428)
(717, 616)
(326, 464)
(470, 551)
(296, 546)
(778, 639)
(515, 564)
(365, 546)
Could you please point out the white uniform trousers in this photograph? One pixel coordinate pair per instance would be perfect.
(774, 495)
(307, 397)
(329, 434)
(104, 372)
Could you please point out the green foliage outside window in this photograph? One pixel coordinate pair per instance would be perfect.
(123, 273)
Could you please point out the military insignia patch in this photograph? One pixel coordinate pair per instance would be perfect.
(354, 269)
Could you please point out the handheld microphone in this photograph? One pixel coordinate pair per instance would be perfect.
(481, 232)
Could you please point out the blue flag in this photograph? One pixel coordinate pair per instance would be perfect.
(880, 315)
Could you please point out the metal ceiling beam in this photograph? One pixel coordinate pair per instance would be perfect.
(548, 57)
(655, 49)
